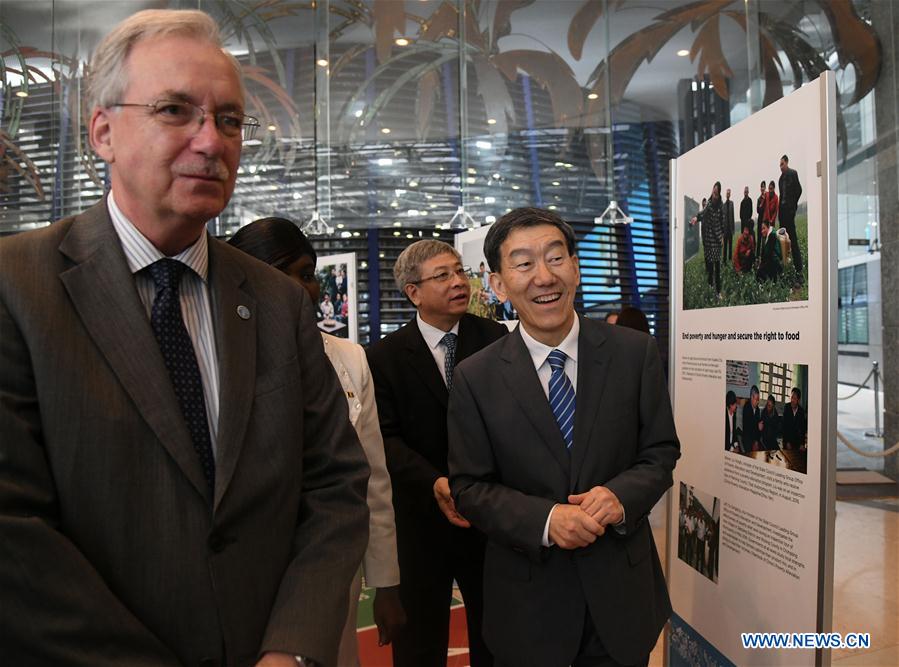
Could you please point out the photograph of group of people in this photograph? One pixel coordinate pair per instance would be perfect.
(335, 308)
(752, 253)
(699, 522)
(766, 413)
(483, 301)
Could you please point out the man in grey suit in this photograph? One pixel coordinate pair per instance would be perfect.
(561, 440)
(179, 482)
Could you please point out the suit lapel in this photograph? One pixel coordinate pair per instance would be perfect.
(102, 291)
(524, 385)
(593, 368)
(235, 340)
(422, 362)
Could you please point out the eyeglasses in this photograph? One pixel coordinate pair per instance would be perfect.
(182, 113)
(443, 276)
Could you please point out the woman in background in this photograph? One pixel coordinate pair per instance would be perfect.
(278, 242)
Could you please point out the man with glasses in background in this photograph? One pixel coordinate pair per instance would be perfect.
(412, 369)
(180, 484)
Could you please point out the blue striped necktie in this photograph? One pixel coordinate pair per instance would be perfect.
(180, 360)
(561, 396)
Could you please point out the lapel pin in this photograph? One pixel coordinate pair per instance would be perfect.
(243, 312)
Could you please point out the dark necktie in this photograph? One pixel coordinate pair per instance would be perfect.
(180, 360)
(561, 396)
(449, 363)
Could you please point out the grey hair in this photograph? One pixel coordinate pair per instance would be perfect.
(408, 265)
(108, 76)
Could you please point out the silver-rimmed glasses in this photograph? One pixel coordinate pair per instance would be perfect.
(181, 113)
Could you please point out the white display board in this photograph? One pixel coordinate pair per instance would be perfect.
(337, 309)
(751, 517)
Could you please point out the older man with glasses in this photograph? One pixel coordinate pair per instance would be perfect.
(412, 370)
(180, 484)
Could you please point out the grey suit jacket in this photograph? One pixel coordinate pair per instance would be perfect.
(111, 550)
(509, 465)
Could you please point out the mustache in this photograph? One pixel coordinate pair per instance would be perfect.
(215, 170)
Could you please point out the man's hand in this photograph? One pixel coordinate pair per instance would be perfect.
(277, 660)
(601, 504)
(389, 614)
(446, 504)
(570, 527)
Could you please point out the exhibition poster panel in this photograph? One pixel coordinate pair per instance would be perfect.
(750, 379)
(336, 310)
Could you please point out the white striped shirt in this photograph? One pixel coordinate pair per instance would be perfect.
(195, 303)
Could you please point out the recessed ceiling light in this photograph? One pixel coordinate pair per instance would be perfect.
(592, 96)
(322, 62)
(401, 41)
(385, 130)
(358, 113)
(491, 121)
(556, 183)
(683, 52)
(385, 162)
(515, 187)
(551, 207)
(21, 93)
(340, 225)
(396, 234)
(272, 128)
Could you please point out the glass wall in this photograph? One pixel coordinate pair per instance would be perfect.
(385, 121)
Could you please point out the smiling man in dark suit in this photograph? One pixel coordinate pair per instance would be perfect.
(179, 482)
(413, 370)
(561, 442)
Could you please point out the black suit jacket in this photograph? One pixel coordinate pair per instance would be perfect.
(794, 429)
(509, 466)
(729, 218)
(730, 436)
(412, 401)
(751, 433)
(745, 210)
(790, 191)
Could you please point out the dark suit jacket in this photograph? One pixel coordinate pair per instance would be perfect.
(793, 428)
(729, 218)
(751, 433)
(412, 400)
(730, 436)
(112, 551)
(745, 210)
(790, 191)
(509, 466)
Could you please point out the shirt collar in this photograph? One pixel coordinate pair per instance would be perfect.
(141, 253)
(432, 334)
(539, 352)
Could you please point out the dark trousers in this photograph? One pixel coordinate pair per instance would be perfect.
(591, 652)
(727, 250)
(788, 222)
(713, 273)
(431, 555)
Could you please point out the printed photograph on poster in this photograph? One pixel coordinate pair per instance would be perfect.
(766, 413)
(483, 301)
(337, 306)
(746, 240)
(699, 523)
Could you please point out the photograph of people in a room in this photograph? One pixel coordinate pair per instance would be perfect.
(750, 251)
(765, 413)
(334, 311)
(483, 301)
(699, 523)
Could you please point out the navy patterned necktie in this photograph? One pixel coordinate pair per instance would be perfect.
(561, 396)
(449, 363)
(180, 360)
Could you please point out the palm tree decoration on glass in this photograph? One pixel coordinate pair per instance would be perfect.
(780, 38)
(445, 37)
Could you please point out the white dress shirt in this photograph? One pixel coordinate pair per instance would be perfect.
(433, 339)
(540, 355)
(195, 303)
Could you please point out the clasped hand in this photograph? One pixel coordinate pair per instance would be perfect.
(579, 523)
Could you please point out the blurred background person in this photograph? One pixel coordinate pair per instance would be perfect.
(771, 421)
(279, 243)
(633, 318)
